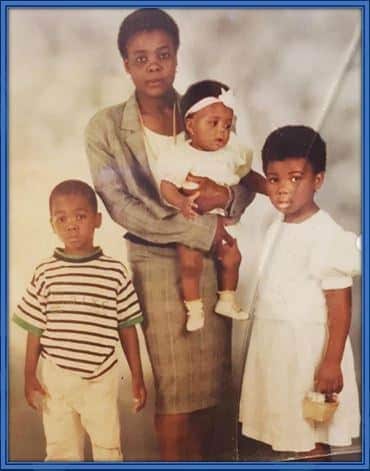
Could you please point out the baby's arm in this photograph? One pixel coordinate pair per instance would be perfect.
(255, 182)
(328, 377)
(31, 383)
(186, 204)
(130, 346)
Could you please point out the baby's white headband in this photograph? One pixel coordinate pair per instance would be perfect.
(226, 97)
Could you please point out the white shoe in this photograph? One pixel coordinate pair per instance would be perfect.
(195, 315)
(194, 322)
(230, 309)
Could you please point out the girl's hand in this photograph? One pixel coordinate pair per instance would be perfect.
(32, 388)
(328, 378)
(188, 206)
(139, 394)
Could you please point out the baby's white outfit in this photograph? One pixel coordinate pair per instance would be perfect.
(289, 336)
(225, 166)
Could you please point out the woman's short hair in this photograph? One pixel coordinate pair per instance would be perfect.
(74, 187)
(146, 19)
(295, 141)
(199, 90)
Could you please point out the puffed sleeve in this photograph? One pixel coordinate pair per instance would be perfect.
(336, 259)
(242, 156)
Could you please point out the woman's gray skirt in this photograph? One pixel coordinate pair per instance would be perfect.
(191, 369)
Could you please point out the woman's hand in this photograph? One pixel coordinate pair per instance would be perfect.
(211, 195)
(328, 378)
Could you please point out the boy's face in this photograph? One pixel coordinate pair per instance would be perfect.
(291, 186)
(74, 221)
(151, 61)
(209, 128)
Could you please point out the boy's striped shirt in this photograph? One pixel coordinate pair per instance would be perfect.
(76, 306)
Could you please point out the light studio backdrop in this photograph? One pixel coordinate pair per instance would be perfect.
(64, 66)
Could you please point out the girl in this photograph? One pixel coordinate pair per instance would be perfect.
(123, 143)
(299, 341)
(208, 110)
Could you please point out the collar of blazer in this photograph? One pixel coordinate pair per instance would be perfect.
(130, 116)
(134, 138)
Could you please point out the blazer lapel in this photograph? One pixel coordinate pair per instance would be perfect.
(131, 127)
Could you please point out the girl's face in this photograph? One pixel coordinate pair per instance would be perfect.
(209, 128)
(151, 61)
(291, 186)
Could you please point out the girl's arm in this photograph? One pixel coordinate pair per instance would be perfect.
(173, 196)
(130, 346)
(31, 383)
(255, 182)
(328, 377)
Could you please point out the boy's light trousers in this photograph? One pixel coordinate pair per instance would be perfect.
(75, 405)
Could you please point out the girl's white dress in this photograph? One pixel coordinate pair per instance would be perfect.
(289, 335)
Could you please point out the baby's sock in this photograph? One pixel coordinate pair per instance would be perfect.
(195, 314)
(227, 306)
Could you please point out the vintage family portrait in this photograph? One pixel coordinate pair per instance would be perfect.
(185, 234)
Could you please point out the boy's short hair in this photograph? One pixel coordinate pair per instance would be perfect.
(199, 90)
(295, 141)
(74, 187)
(146, 19)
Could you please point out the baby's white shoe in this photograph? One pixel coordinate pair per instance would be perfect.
(195, 315)
(227, 306)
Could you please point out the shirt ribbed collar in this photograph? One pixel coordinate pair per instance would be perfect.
(61, 255)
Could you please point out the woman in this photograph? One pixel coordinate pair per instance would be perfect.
(190, 370)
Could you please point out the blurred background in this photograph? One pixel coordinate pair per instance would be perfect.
(64, 66)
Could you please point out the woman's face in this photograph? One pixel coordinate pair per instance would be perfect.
(151, 61)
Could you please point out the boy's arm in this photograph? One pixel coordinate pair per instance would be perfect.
(255, 182)
(31, 383)
(130, 345)
(172, 195)
(328, 378)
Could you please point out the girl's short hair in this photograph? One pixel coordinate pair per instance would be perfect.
(295, 141)
(74, 187)
(146, 19)
(199, 90)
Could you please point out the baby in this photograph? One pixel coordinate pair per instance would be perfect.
(212, 151)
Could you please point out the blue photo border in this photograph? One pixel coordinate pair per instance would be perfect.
(4, 218)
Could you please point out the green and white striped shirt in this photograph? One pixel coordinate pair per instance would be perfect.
(76, 306)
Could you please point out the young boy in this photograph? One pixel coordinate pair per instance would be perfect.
(78, 305)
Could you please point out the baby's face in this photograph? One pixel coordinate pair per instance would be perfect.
(209, 128)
